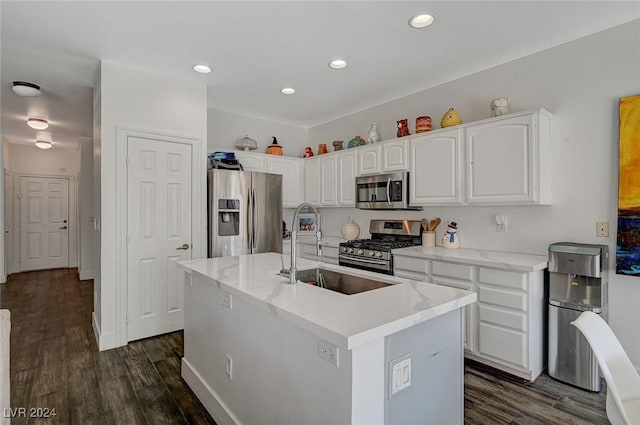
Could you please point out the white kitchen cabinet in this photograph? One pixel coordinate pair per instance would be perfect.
(504, 329)
(312, 181)
(293, 178)
(328, 181)
(252, 161)
(436, 166)
(385, 157)
(508, 160)
(346, 178)
(369, 160)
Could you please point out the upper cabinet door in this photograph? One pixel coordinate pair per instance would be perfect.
(347, 178)
(291, 170)
(395, 156)
(436, 168)
(312, 181)
(369, 160)
(508, 160)
(328, 181)
(252, 161)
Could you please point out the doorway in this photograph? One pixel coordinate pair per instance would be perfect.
(44, 225)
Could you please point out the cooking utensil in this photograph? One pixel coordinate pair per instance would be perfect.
(425, 224)
(434, 223)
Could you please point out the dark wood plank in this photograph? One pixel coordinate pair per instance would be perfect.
(51, 372)
(159, 406)
(85, 400)
(140, 371)
(49, 409)
(121, 401)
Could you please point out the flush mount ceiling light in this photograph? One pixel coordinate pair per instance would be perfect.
(24, 89)
(338, 64)
(288, 90)
(202, 69)
(37, 123)
(43, 144)
(421, 21)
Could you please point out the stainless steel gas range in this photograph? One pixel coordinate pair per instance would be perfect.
(375, 254)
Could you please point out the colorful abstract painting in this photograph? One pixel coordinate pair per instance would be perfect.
(628, 243)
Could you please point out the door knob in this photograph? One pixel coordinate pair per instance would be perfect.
(184, 246)
(63, 227)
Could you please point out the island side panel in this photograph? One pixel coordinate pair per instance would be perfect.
(277, 376)
(436, 394)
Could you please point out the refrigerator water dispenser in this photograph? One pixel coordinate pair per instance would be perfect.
(228, 217)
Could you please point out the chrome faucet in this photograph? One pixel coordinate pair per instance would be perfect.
(292, 268)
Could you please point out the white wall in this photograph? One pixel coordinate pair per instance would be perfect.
(85, 207)
(144, 101)
(3, 211)
(580, 82)
(224, 128)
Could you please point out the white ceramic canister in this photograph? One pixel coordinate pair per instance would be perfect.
(429, 239)
(350, 230)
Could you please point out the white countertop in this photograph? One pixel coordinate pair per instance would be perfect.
(348, 321)
(479, 257)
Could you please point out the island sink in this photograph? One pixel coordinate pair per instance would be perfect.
(335, 281)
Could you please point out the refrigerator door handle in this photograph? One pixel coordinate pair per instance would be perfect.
(255, 218)
(250, 220)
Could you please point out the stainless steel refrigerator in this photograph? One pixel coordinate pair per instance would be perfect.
(244, 212)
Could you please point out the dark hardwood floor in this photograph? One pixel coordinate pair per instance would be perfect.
(55, 363)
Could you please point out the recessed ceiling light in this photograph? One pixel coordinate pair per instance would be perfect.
(43, 144)
(338, 64)
(288, 90)
(202, 69)
(37, 123)
(22, 88)
(421, 21)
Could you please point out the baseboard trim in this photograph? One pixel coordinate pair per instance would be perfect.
(85, 275)
(104, 341)
(207, 396)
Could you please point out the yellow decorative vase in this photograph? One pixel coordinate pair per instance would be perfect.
(450, 118)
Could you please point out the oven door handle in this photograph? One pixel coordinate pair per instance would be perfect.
(365, 260)
(389, 191)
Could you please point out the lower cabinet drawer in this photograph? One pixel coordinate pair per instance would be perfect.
(503, 344)
(458, 271)
(412, 264)
(502, 297)
(408, 274)
(516, 320)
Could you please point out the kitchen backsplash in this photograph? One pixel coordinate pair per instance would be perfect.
(476, 225)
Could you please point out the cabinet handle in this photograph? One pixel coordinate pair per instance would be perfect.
(184, 246)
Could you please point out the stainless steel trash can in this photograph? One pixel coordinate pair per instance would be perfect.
(577, 283)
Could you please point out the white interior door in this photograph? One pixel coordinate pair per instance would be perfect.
(8, 223)
(44, 223)
(158, 234)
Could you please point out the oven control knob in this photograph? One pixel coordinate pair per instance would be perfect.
(343, 249)
(371, 253)
(350, 250)
(360, 252)
(378, 254)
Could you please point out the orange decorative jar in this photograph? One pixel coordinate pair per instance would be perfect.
(274, 148)
(322, 148)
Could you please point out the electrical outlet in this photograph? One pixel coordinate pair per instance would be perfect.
(328, 352)
(228, 367)
(501, 223)
(227, 300)
(602, 229)
(399, 374)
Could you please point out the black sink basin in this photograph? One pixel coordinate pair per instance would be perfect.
(339, 282)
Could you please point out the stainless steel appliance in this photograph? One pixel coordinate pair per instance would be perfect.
(375, 254)
(577, 283)
(244, 212)
(383, 192)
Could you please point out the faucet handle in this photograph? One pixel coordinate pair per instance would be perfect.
(319, 242)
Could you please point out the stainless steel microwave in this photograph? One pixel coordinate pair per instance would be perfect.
(383, 192)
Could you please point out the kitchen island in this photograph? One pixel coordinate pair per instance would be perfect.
(260, 350)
